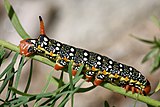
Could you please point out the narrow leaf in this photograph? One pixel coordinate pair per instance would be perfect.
(55, 81)
(71, 82)
(79, 71)
(18, 74)
(44, 88)
(4, 84)
(142, 40)
(10, 84)
(19, 92)
(8, 72)
(82, 90)
(2, 53)
(14, 19)
(151, 54)
(29, 78)
(156, 63)
(155, 21)
(10, 66)
(19, 71)
(60, 82)
(157, 88)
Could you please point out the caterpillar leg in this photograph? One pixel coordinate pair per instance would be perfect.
(75, 68)
(133, 89)
(99, 79)
(74, 72)
(89, 75)
(60, 64)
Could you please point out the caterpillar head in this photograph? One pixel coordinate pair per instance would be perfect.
(27, 46)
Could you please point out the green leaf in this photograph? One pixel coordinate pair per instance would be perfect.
(82, 90)
(64, 101)
(70, 75)
(36, 104)
(19, 92)
(29, 78)
(19, 71)
(142, 40)
(21, 63)
(6, 80)
(17, 100)
(150, 105)
(10, 83)
(9, 71)
(15, 21)
(157, 42)
(56, 81)
(60, 82)
(2, 53)
(157, 88)
(151, 54)
(10, 66)
(79, 71)
(71, 81)
(156, 63)
(156, 21)
(66, 98)
(22, 101)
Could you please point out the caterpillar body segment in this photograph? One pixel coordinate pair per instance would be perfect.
(97, 68)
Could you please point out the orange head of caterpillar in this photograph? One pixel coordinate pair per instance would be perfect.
(147, 88)
(27, 47)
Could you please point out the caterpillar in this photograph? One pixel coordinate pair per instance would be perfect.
(97, 68)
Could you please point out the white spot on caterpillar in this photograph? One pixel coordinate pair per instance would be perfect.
(72, 49)
(110, 62)
(106, 69)
(139, 74)
(41, 44)
(99, 58)
(58, 44)
(53, 50)
(57, 48)
(109, 66)
(120, 65)
(85, 59)
(130, 68)
(33, 41)
(85, 54)
(121, 69)
(71, 54)
(45, 43)
(101, 76)
(98, 63)
(45, 39)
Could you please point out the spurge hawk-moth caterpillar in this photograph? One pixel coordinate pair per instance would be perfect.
(97, 68)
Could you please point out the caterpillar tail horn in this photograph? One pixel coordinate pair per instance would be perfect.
(42, 29)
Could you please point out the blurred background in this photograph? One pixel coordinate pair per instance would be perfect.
(102, 26)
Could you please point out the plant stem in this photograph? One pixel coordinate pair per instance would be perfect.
(15, 48)
(145, 99)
